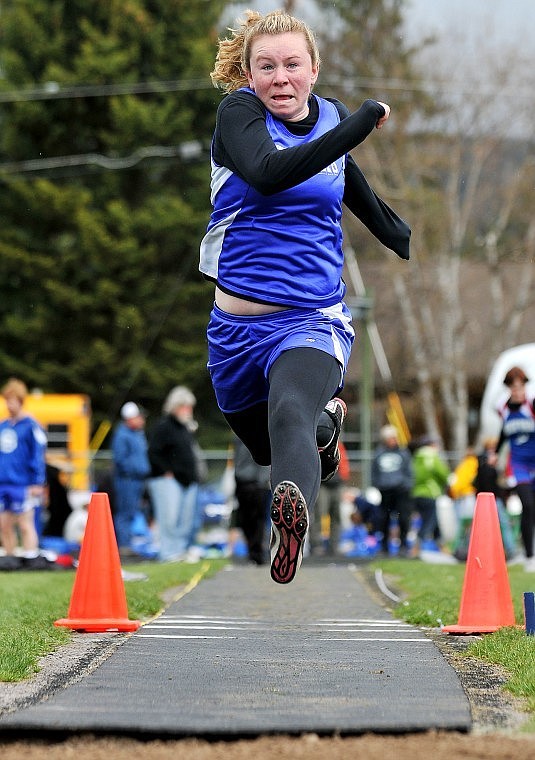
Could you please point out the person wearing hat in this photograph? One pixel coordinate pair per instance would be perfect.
(131, 467)
(392, 475)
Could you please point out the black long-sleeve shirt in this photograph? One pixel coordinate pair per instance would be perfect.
(171, 449)
(243, 144)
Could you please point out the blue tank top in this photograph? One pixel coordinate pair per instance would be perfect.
(285, 248)
(519, 429)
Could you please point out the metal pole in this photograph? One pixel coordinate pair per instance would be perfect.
(361, 307)
(366, 396)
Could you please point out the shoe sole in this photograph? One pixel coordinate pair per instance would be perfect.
(289, 518)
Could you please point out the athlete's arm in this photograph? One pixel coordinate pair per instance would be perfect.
(372, 211)
(501, 441)
(244, 145)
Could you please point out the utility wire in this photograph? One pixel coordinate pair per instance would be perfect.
(187, 151)
(54, 91)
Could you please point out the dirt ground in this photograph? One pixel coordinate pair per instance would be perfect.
(435, 745)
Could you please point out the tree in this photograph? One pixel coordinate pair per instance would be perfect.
(364, 56)
(102, 292)
(474, 179)
(457, 162)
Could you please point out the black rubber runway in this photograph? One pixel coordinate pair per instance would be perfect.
(242, 656)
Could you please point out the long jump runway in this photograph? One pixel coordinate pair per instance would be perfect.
(242, 656)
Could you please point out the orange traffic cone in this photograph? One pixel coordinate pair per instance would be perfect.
(486, 603)
(98, 601)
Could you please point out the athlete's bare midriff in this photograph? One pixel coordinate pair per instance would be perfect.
(241, 307)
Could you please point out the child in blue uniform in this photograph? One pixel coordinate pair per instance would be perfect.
(22, 474)
(518, 429)
(280, 335)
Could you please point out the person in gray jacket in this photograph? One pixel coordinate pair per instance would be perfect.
(253, 493)
(392, 475)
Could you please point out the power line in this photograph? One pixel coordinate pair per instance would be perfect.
(430, 86)
(187, 151)
(54, 91)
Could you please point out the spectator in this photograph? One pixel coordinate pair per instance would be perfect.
(57, 500)
(431, 474)
(174, 482)
(22, 478)
(461, 485)
(328, 504)
(131, 468)
(392, 475)
(367, 510)
(487, 480)
(252, 495)
(518, 429)
(462, 492)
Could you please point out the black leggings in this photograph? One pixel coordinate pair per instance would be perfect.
(527, 497)
(282, 431)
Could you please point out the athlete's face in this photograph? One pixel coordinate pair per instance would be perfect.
(518, 392)
(282, 74)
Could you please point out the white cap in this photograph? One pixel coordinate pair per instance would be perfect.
(388, 431)
(130, 410)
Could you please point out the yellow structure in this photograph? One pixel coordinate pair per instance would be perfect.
(396, 417)
(66, 418)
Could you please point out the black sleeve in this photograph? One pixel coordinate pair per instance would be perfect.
(373, 212)
(501, 441)
(243, 144)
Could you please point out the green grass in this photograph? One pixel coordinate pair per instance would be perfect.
(431, 597)
(30, 602)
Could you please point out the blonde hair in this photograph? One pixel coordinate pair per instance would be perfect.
(16, 388)
(234, 54)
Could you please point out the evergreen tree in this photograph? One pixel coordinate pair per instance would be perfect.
(101, 292)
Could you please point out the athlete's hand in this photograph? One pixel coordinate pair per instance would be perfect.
(384, 118)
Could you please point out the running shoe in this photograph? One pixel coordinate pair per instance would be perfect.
(289, 525)
(330, 453)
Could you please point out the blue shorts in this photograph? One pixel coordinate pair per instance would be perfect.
(16, 499)
(242, 350)
(523, 473)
